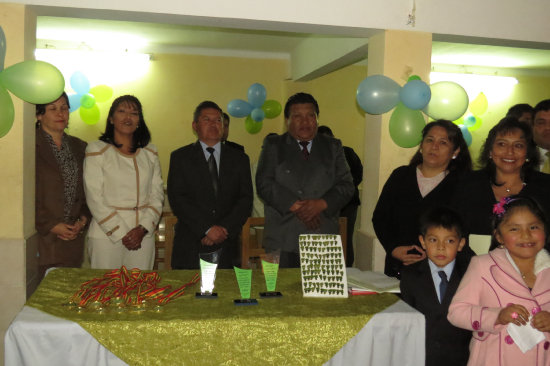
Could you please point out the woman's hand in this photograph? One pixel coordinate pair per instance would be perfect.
(65, 231)
(401, 254)
(513, 313)
(132, 240)
(541, 321)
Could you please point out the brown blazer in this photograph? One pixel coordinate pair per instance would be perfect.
(49, 205)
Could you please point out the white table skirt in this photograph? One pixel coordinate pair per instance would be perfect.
(394, 336)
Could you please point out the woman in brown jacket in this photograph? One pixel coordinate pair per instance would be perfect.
(61, 211)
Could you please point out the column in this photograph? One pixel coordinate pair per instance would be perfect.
(397, 55)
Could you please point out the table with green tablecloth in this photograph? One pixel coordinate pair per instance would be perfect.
(290, 330)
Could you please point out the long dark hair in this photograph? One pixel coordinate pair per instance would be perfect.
(41, 108)
(508, 205)
(141, 136)
(505, 126)
(463, 162)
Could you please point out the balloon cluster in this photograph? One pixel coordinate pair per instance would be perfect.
(256, 109)
(86, 98)
(378, 94)
(472, 121)
(34, 82)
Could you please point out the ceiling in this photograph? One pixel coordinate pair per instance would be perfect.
(95, 34)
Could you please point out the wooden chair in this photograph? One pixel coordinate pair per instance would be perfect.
(163, 249)
(250, 245)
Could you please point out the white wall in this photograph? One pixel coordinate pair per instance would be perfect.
(500, 19)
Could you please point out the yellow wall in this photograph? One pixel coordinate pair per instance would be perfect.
(176, 84)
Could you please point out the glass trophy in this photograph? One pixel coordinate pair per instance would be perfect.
(208, 264)
(244, 280)
(270, 268)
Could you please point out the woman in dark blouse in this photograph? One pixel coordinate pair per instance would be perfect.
(430, 179)
(509, 159)
(61, 211)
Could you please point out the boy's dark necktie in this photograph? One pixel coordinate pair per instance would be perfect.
(443, 284)
(213, 168)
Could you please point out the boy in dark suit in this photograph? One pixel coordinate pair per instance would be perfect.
(429, 285)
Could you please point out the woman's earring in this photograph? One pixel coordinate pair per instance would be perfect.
(137, 126)
(454, 157)
(490, 155)
(527, 160)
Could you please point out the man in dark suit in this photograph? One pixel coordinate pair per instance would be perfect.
(349, 211)
(210, 192)
(226, 121)
(303, 179)
(429, 285)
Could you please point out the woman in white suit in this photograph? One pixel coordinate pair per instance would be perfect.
(124, 190)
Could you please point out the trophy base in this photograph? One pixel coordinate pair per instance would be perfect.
(242, 302)
(206, 295)
(270, 294)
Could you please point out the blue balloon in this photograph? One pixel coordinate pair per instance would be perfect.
(470, 121)
(74, 102)
(466, 134)
(239, 108)
(80, 83)
(416, 94)
(257, 114)
(2, 48)
(256, 95)
(377, 94)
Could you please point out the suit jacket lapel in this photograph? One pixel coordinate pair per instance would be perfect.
(426, 276)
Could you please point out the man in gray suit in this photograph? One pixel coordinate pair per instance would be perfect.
(303, 179)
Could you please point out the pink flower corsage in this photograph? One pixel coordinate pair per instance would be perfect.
(498, 208)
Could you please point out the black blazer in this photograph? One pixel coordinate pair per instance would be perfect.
(445, 344)
(193, 201)
(474, 198)
(395, 218)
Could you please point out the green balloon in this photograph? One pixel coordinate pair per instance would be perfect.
(414, 77)
(102, 93)
(252, 126)
(87, 101)
(406, 126)
(90, 115)
(7, 112)
(272, 108)
(449, 101)
(36, 82)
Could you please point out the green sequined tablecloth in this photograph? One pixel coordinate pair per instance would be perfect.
(290, 330)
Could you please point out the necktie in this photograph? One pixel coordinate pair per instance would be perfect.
(213, 168)
(546, 166)
(443, 284)
(305, 152)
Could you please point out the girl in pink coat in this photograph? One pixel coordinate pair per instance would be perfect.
(510, 285)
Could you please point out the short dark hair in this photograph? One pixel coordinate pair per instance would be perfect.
(226, 117)
(205, 105)
(518, 110)
(301, 98)
(441, 216)
(512, 204)
(505, 126)
(41, 108)
(543, 105)
(325, 130)
(463, 162)
(141, 136)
